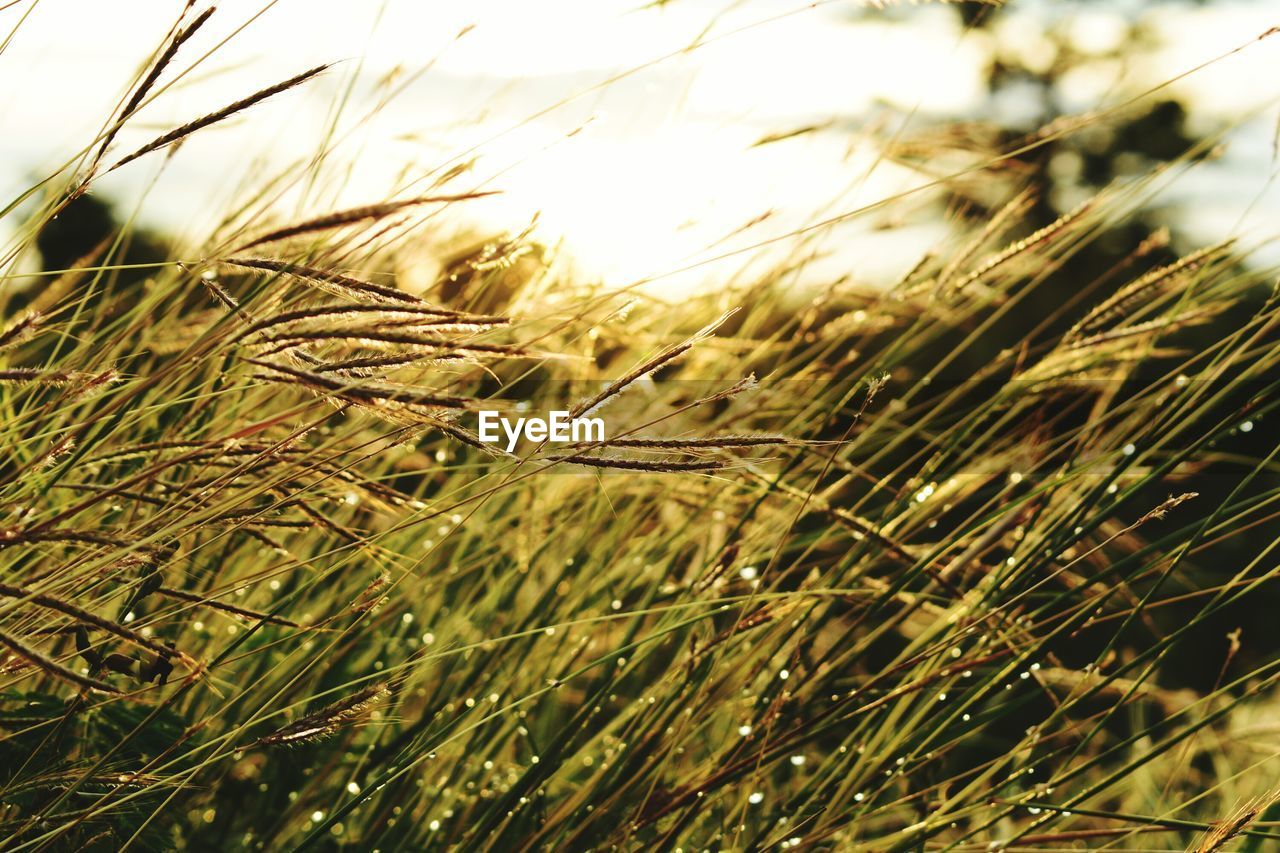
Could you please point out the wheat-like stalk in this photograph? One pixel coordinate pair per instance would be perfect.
(1226, 830)
(1154, 283)
(658, 466)
(1014, 250)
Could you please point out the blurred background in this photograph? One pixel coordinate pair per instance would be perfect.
(682, 142)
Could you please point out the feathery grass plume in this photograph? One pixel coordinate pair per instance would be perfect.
(436, 326)
(153, 74)
(372, 596)
(330, 282)
(275, 545)
(365, 393)
(329, 524)
(94, 384)
(52, 667)
(424, 314)
(1158, 239)
(859, 321)
(104, 781)
(37, 376)
(379, 339)
(382, 339)
(353, 215)
(1145, 288)
(20, 329)
(649, 366)
(204, 121)
(227, 300)
(56, 451)
(367, 367)
(79, 384)
(1043, 235)
(499, 254)
(1232, 827)
(1165, 506)
(327, 721)
(659, 466)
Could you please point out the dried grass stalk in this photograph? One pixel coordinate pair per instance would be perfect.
(994, 262)
(157, 68)
(50, 602)
(228, 301)
(708, 443)
(1070, 366)
(648, 367)
(1161, 324)
(204, 121)
(328, 720)
(183, 595)
(469, 438)
(1011, 212)
(662, 466)
(20, 330)
(52, 667)
(353, 215)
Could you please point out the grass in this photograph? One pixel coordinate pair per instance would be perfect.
(960, 564)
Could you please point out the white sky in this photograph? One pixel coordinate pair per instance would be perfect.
(661, 172)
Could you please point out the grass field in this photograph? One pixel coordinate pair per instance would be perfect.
(980, 561)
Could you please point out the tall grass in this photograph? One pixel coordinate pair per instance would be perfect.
(947, 574)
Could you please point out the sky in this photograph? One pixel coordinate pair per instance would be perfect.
(625, 133)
